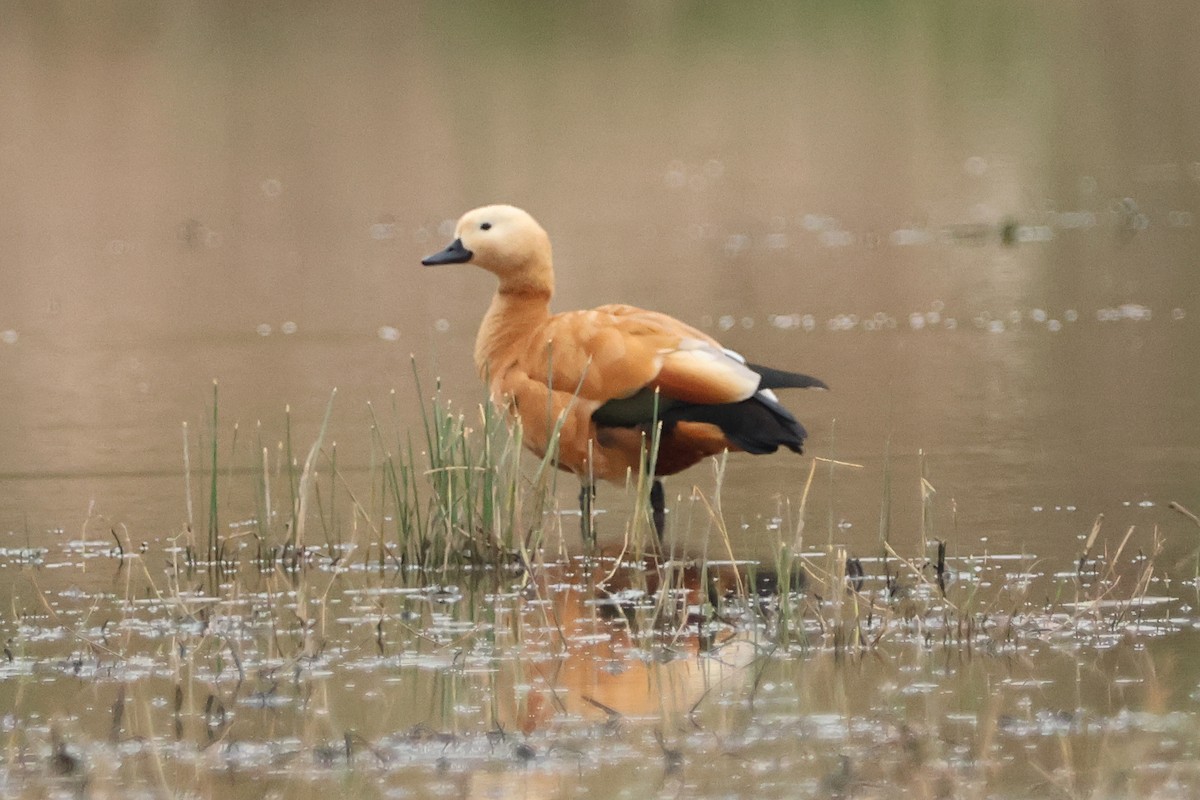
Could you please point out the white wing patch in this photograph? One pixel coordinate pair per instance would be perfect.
(735, 355)
(699, 371)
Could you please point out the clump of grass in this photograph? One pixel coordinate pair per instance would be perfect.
(461, 496)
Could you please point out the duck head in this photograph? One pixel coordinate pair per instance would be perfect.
(505, 241)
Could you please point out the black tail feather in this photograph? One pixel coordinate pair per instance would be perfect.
(781, 379)
(758, 425)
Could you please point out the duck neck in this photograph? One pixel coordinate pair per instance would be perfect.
(515, 312)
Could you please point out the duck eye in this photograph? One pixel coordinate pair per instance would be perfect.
(487, 226)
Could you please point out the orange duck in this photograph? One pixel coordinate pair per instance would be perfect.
(605, 374)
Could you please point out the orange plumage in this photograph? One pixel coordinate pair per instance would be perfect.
(597, 370)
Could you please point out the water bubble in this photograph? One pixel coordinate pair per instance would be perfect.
(1146, 504)
(116, 247)
(271, 187)
(916, 320)
(1177, 314)
(975, 165)
(996, 326)
(816, 222)
(836, 238)
(1038, 315)
(842, 322)
(383, 230)
(446, 228)
(808, 322)
(777, 241)
(747, 322)
(736, 243)
(441, 325)
(288, 328)
(1124, 207)
(388, 333)
(676, 176)
(908, 237)
(1135, 311)
(264, 329)
(9, 336)
(1071, 315)
(1034, 233)
(1054, 326)
(1071, 508)
(933, 317)
(1036, 509)
(1180, 219)
(951, 324)
(938, 305)
(725, 322)
(1014, 316)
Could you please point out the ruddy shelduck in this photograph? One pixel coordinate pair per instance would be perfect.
(603, 377)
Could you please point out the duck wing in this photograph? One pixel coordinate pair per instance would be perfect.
(615, 352)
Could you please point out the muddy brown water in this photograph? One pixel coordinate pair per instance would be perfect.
(976, 222)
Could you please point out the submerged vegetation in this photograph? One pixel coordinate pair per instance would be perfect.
(421, 629)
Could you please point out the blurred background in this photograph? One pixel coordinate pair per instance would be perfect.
(975, 221)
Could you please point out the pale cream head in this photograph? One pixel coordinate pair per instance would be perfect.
(505, 241)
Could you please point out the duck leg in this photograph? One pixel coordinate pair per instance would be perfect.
(658, 508)
(587, 528)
